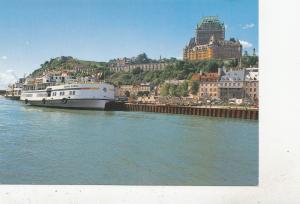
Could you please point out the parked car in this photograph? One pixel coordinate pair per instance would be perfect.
(232, 101)
(216, 101)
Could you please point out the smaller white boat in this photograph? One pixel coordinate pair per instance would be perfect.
(14, 90)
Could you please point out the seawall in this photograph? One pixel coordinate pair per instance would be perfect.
(225, 112)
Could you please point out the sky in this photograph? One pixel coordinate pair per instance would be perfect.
(33, 31)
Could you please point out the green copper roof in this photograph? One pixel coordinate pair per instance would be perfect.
(210, 20)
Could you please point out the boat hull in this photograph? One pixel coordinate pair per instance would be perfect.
(95, 104)
(13, 97)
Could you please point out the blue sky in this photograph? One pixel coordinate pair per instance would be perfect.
(33, 31)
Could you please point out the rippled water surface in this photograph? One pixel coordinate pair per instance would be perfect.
(57, 146)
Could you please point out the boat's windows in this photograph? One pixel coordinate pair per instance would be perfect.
(73, 92)
(70, 92)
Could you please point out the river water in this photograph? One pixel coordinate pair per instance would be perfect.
(58, 146)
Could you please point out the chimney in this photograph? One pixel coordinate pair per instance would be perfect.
(201, 73)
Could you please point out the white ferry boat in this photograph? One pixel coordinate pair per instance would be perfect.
(74, 95)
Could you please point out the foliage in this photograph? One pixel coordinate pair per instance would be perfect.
(249, 61)
(183, 89)
(174, 90)
(142, 58)
(195, 87)
(178, 69)
(164, 90)
(127, 93)
(143, 93)
(64, 63)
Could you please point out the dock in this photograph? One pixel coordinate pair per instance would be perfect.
(224, 112)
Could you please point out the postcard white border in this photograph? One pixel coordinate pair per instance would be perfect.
(279, 134)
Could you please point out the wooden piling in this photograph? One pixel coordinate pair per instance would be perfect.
(250, 114)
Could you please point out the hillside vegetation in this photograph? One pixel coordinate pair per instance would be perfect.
(180, 70)
(66, 64)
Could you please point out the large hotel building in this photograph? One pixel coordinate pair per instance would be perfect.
(210, 42)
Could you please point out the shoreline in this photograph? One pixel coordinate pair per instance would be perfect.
(213, 111)
(224, 112)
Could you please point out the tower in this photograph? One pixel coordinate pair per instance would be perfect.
(208, 26)
(254, 54)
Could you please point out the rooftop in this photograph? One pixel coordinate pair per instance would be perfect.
(233, 75)
(210, 20)
(206, 76)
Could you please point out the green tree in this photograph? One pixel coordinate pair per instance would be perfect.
(248, 61)
(183, 89)
(137, 70)
(143, 93)
(142, 58)
(173, 90)
(164, 90)
(127, 93)
(195, 87)
(212, 66)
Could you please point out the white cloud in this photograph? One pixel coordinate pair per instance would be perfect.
(4, 57)
(245, 44)
(6, 78)
(226, 26)
(248, 26)
(27, 43)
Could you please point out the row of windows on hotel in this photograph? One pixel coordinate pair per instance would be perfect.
(214, 89)
(202, 94)
(225, 84)
(62, 93)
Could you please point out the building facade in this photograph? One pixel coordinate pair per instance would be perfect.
(133, 90)
(210, 42)
(125, 64)
(208, 84)
(231, 84)
(144, 67)
(251, 84)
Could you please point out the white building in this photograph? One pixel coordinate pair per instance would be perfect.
(231, 84)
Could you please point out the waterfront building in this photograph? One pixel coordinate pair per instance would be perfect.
(208, 84)
(210, 42)
(251, 84)
(231, 84)
(133, 90)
